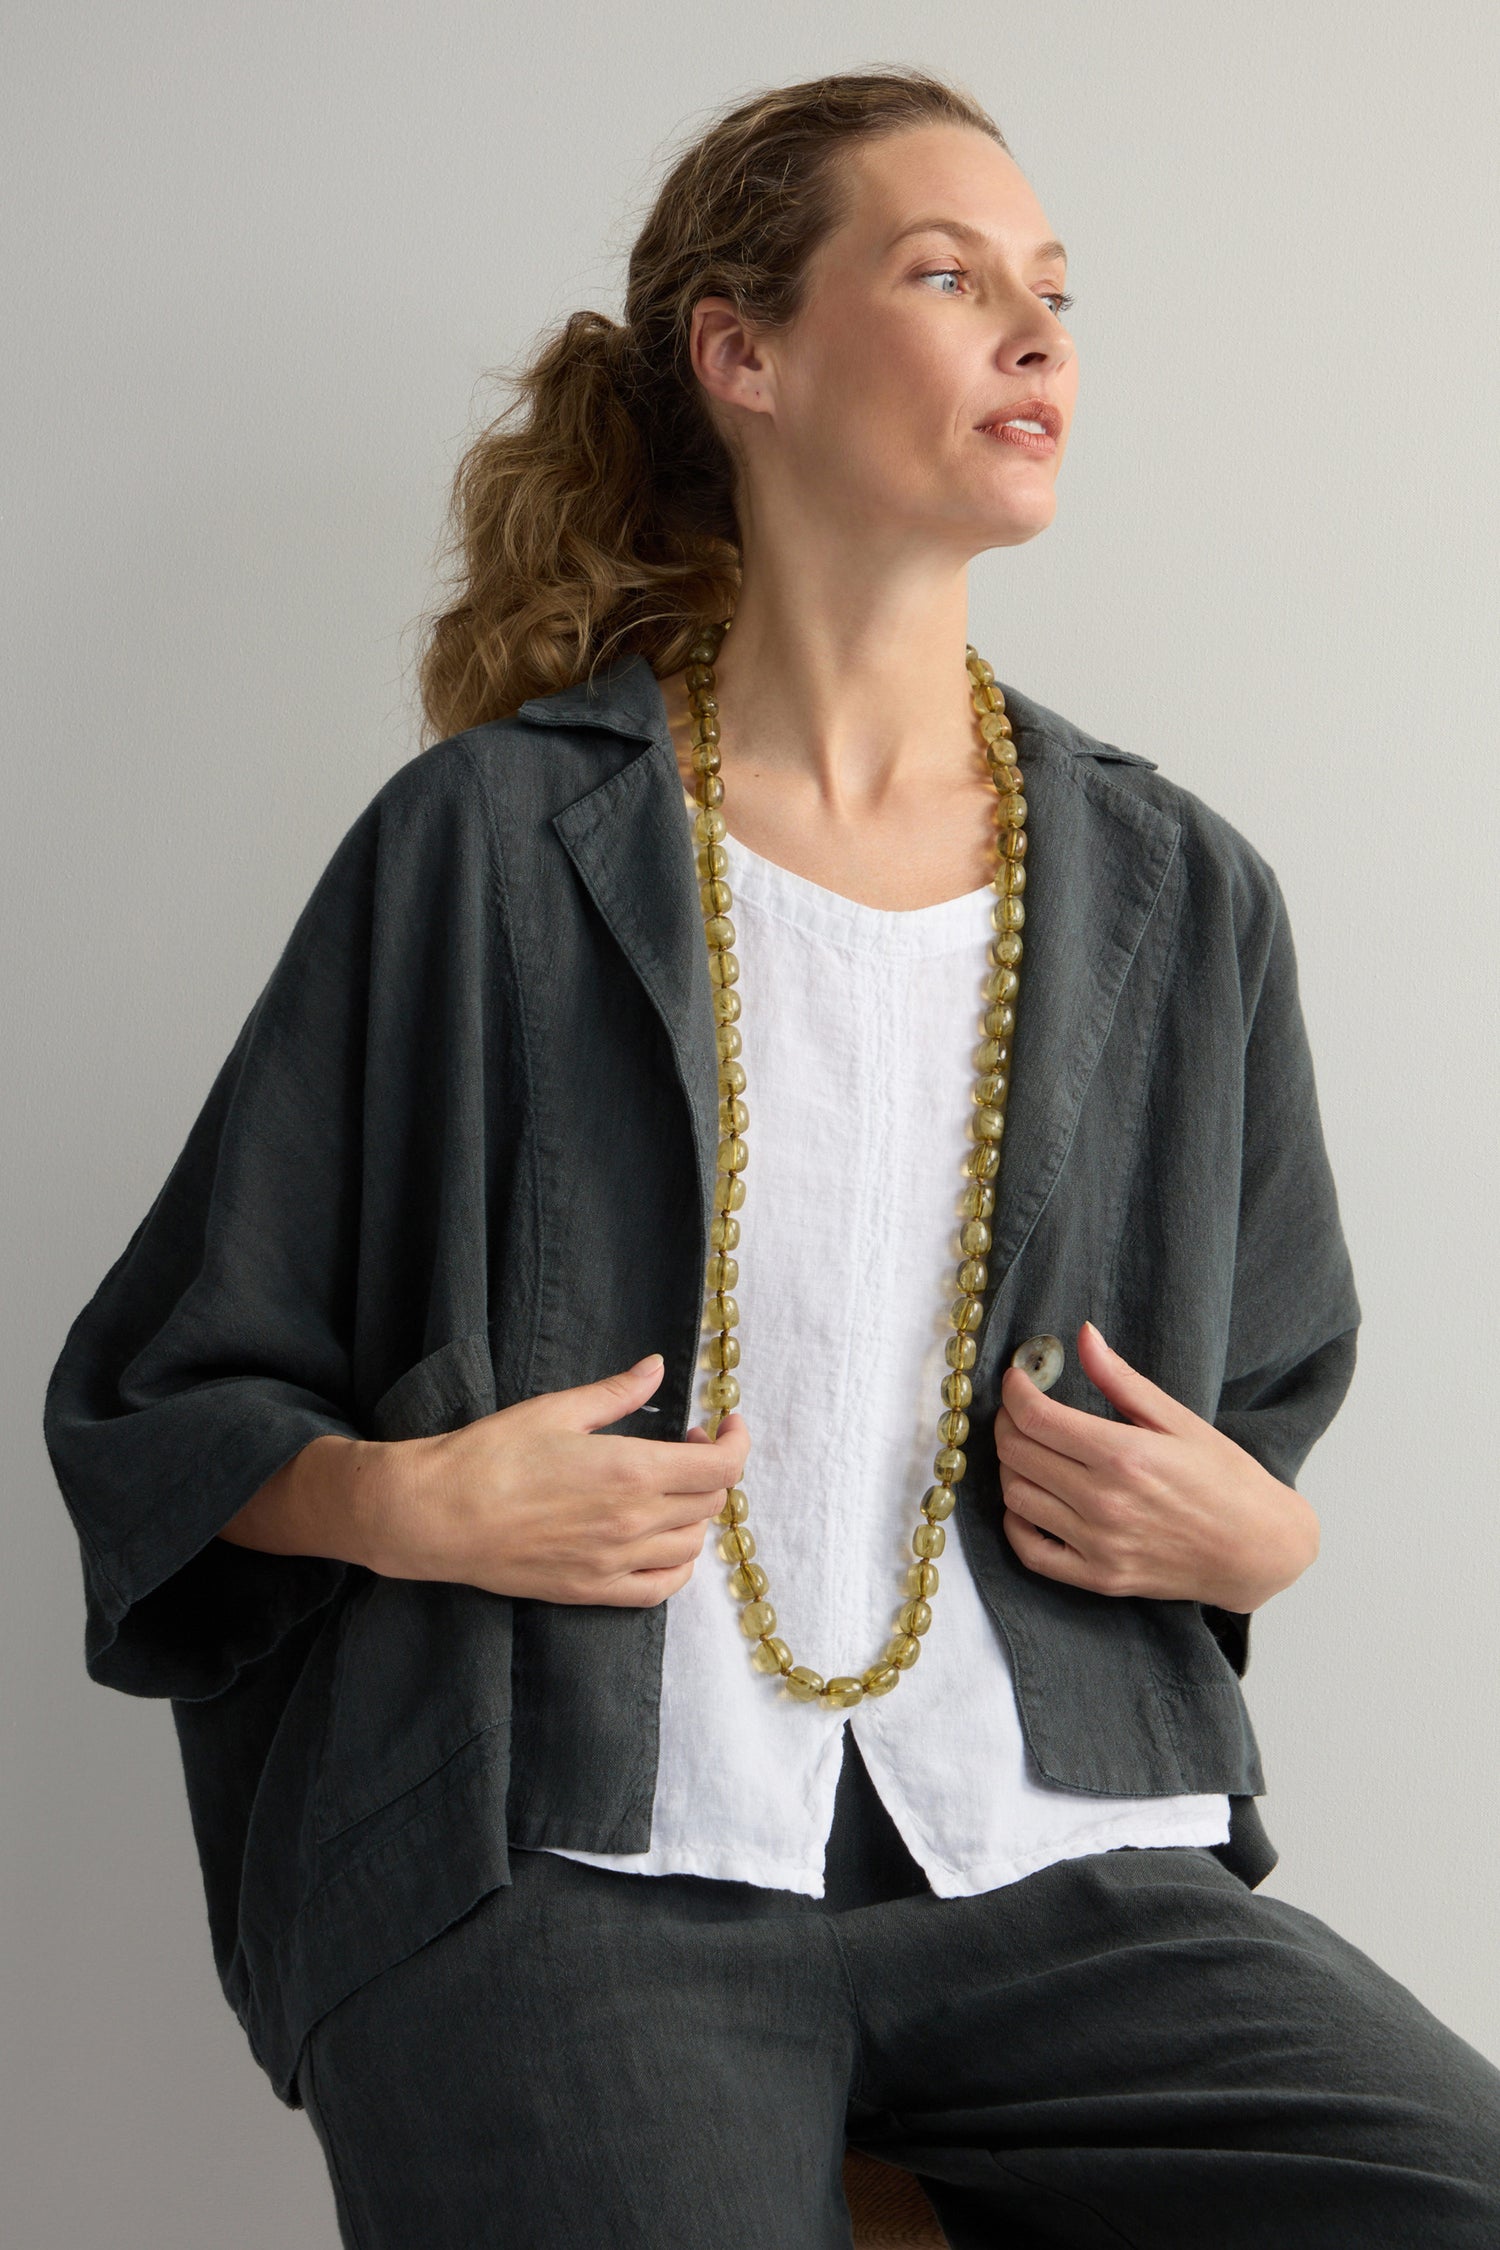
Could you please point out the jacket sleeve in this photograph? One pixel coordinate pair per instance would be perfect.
(1295, 1312)
(219, 1343)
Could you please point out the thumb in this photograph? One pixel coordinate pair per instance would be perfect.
(593, 1405)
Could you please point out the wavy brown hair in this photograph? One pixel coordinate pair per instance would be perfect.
(594, 518)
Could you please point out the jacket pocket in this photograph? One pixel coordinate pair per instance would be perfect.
(422, 1666)
(449, 1388)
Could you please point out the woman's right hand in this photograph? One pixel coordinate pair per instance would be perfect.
(531, 1500)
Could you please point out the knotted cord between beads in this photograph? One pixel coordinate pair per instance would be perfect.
(747, 1578)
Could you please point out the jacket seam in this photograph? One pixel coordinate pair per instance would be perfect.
(523, 1040)
(1152, 1040)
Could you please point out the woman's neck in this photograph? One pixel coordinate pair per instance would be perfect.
(847, 689)
(848, 746)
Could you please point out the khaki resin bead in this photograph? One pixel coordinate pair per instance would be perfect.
(748, 1580)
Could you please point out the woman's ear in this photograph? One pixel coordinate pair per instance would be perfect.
(729, 358)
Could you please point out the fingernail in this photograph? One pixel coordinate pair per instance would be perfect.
(1089, 1324)
(652, 1359)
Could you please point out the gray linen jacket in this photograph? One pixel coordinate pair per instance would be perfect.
(463, 1151)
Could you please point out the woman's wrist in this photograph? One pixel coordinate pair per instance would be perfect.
(352, 1500)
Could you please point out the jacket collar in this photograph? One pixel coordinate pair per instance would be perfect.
(1099, 858)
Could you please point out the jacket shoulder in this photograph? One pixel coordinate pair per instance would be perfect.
(444, 776)
(1220, 858)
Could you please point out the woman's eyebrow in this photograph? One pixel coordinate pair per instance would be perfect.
(963, 232)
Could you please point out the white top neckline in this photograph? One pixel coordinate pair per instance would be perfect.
(909, 932)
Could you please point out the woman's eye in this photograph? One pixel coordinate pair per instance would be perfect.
(1055, 297)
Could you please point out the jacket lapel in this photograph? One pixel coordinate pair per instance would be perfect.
(1097, 862)
(631, 841)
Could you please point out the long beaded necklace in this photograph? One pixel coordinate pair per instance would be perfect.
(747, 1578)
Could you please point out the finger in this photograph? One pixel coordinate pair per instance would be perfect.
(689, 1465)
(1138, 1399)
(661, 1550)
(643, 1589)
(1036, 1505)
(1068, 1430)
(1049, 1558)
(590, 1406)
(1068, 1482)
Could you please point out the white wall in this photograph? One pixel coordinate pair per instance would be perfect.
(256, 259)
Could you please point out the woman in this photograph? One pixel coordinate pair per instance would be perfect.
(542, 1866)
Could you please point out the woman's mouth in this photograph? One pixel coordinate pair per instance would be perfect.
(1030, 435)
(1034, 424)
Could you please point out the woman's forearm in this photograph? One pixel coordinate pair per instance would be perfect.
(333, 1498)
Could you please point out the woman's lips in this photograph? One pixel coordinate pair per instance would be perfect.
(1029, 440)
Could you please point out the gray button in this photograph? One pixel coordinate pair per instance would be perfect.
(1042, 1359)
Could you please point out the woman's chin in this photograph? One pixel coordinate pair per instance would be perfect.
(1011, 520)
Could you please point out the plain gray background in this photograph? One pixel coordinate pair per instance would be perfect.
(258, 258)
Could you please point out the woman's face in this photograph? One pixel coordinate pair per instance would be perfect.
(932, 314)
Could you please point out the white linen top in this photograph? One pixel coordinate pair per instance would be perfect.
(859, 1025)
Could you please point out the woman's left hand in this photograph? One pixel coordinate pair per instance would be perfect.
(1161, 1504)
